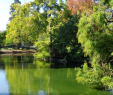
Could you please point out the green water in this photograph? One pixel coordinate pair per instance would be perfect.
(21, 75)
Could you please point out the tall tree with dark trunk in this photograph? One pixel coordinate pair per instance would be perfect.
(50, 8)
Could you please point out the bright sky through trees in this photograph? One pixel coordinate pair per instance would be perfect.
(4, 12)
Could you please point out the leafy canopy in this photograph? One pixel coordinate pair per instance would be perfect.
(96, 37)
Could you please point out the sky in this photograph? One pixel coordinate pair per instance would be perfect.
(4, 12)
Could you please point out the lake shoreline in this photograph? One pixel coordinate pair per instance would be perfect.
(16, 51)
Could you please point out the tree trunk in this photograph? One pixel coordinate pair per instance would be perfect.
(50, 39)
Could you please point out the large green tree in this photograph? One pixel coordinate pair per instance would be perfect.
(96, 37)
(26, 25)
(14, 34)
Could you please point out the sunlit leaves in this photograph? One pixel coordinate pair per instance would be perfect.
(90, 31)
(25, 26)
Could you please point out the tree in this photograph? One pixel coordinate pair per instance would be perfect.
(28, 22)
(20, 26)
(50, 8)
(96, 37)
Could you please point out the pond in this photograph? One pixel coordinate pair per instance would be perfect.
(21, 75)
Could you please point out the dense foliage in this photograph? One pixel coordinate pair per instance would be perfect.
(21, 27)
(96, 37)
(2, 38)
(65, 43)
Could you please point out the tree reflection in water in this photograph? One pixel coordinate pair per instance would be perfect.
(29, 77)
(26, 77)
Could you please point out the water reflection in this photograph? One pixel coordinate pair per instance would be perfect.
(42, 64)
(29, 77)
